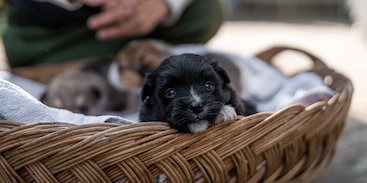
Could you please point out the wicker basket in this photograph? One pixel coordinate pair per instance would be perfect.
(292, 145)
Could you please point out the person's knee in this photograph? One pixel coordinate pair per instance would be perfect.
(207, 17)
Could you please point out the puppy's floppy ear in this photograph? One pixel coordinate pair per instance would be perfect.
(147, 91)
(219, 70)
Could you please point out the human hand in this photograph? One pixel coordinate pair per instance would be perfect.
(124, 18)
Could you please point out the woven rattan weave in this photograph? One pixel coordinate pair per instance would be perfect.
(295, 144)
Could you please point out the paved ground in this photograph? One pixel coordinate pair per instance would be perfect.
(342, 48)
(350, 161)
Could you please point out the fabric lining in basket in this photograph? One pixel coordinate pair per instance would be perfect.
(295, 144)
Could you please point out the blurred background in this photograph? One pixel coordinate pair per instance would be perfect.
(288, 10)
(334, 30)
(2, 19)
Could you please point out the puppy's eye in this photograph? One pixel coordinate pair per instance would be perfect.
(170, 93)
(209, 86)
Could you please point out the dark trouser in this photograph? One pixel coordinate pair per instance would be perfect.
(27, 43)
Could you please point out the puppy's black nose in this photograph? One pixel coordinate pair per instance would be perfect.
(196, 107)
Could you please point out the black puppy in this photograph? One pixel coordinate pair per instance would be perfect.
(190, 92)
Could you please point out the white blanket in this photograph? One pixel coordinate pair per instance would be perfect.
(20, 106)
(264, 86)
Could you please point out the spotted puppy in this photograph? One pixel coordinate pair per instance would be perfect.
(135, 60)
(190, 92)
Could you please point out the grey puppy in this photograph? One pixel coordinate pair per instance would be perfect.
(88, 91)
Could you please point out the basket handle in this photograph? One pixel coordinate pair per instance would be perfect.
(335, 80)
(269, 54)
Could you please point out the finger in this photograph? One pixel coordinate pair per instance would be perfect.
(110, 5)
(142, 22)
(113, 32)
(94, 2)
(127, 3)
(128, 28)
(108, 17)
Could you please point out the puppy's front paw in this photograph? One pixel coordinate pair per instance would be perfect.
(198, 126)
(227, 113)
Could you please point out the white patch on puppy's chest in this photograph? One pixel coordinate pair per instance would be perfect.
(195, 96)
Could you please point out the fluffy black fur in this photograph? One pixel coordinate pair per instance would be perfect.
(187, 89)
